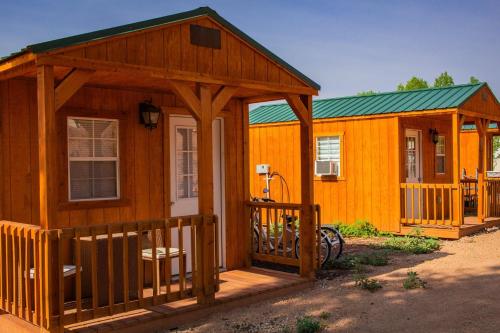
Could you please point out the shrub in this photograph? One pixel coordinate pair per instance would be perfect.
(324, 315)
(345, 262)
(374, 259)
(358, 229)
(364, 282)
(413, 281)
(412, 244)
(353, 261)
(308, 324)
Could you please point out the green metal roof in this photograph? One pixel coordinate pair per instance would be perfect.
(132, 27)
(382, 103)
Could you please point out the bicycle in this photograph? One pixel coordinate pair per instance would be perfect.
(331, 239)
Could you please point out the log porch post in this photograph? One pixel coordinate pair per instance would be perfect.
(206, 190)
(205, 107)
(457, 122)
(47, 137)
(302, 107)
(47, 157)
(248, 226)
(482, 127)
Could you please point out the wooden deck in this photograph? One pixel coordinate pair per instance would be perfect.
(471, 226)
(237, 288)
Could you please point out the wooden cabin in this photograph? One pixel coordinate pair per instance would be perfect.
(124, 170)
(393, 159)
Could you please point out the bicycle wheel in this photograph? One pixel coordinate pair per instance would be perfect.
(335, 240)
(256, 240)
(324, 251)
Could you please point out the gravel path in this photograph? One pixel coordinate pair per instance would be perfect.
(463, 295)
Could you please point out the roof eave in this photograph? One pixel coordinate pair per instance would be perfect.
(148, 24)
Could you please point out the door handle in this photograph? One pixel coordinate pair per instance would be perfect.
(172, 203)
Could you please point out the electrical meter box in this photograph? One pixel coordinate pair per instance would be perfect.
(262, 169)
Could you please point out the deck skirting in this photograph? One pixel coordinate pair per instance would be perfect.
(471, 226)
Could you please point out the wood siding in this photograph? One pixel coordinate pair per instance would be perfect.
(368, 185)
(371, 170)
(170, 47)
(483, 103)
(469, 152)
(144, 186)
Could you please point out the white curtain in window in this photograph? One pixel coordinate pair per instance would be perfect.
(328, 148)
(93, 159)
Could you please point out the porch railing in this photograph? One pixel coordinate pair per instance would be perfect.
(426, 203)
(58, 277)
(275, 234)
(492, 197)
(470, 190)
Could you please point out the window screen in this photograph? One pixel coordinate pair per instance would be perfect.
(328, 149)
(93, 159)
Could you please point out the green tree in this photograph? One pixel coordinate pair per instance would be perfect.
(443, 80)
(496, 150)
(413, 83)
(366, 93)
(473, 80)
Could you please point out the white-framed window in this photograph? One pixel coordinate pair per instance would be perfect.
(440, 155)
(93, 159)
(328, 149)
(411, 157)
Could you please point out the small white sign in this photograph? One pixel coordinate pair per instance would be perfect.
(262, 169)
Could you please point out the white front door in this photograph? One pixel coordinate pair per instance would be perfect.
(413, 169)
(184, 179)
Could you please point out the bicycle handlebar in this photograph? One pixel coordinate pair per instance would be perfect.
(256, 199)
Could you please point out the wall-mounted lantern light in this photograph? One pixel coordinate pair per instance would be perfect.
(434, 135)
(149, 114)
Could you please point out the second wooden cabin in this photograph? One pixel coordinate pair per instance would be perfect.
(393, 159)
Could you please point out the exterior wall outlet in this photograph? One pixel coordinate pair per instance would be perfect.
(262, 169)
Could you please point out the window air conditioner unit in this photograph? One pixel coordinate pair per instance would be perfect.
(326, 168)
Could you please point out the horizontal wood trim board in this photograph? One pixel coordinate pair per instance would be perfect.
(88, 314)
(17, 61)
(277, 259)
(149, 71)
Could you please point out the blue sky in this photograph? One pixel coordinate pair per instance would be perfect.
(346, 46)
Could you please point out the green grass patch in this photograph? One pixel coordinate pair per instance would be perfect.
(411, 244)
(354, 261)
(363, 282)
(308, 324)
(359, 228)
(413, 281)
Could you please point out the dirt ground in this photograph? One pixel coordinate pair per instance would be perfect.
(462, 295)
